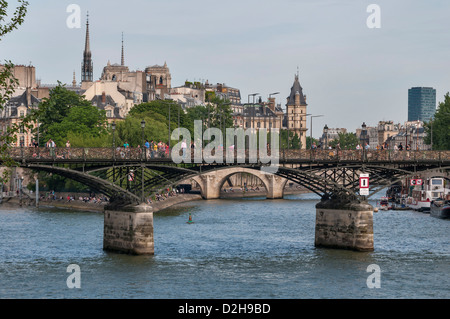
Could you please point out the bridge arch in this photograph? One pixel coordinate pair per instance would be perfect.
(211, 183)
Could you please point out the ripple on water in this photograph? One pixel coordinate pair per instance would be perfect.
(235, 249)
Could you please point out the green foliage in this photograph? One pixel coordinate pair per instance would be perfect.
(7, 80)
(66, 113)
(130, 130)
(210, 95)
(310, 140)
(16, 20)
(294, 140)
(166, 108)
(50, 182)
(81, 139)
(347, 141)
(438, 130)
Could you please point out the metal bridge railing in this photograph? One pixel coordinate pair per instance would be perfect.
(139, 154)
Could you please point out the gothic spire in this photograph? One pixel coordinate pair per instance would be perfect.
(74, 82)
(87, 67)
(123, 57)
(87, 46)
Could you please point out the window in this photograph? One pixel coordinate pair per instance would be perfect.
(108, 113)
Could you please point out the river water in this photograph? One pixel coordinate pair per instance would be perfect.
(248, 248)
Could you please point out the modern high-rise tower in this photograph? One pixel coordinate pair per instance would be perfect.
(87, 67)
(421, 103)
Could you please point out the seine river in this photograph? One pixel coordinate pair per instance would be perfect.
(252, 248)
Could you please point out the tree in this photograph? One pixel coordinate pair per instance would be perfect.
(165, 108)
(66, 113)
(220, 114)
(437, 129)
(346, 141)
(294, 140)
(7, 80)
(309, 141)
(130, 130)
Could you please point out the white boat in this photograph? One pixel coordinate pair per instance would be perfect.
(421, 196)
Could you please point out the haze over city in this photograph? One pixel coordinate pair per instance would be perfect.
(349, 72)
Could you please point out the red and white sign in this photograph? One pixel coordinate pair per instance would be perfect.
(364, 184)
(364, 181)
(416, 181)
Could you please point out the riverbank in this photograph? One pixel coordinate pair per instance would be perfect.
(94, 207)
(157, 205)
(239, 193)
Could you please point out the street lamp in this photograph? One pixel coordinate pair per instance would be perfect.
(363, 135)
(270, 95)
(310, 133)
(113, 127)
(143, 135)
(253, 108)
(270, 126)
(325, 131)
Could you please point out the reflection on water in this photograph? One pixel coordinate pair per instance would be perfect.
(246, 248)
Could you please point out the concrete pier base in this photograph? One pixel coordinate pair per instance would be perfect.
(129, 231)
(344, 225)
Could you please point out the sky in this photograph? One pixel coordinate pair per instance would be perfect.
(349, 72)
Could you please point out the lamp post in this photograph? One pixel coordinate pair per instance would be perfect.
(363, 138)
(143, 137)
(310, 133)
(37, 122)
(113, 127)
(325, 131)
(253, 108)
(143, 169)
(270, 126)
(169, 126)
(22, 141)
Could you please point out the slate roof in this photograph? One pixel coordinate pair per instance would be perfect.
(296, 87)
(97, 101)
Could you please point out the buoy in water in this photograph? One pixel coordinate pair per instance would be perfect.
(190, 219)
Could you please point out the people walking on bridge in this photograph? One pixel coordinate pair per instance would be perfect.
(67, 149)
(183, 148)
(147, 149)
(51, 146)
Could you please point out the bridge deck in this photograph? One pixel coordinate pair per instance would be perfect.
(137, 155)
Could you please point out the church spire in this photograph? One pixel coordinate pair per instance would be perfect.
(74, 82)
(123, 56)
(87, 66)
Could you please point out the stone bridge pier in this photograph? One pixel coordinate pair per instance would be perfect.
(344, 225)
(129, 230)
(211, 183)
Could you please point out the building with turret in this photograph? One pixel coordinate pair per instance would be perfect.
(296, 111)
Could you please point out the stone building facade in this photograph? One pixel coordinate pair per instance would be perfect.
(296, 112)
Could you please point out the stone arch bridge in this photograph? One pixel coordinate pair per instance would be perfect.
(129, 176)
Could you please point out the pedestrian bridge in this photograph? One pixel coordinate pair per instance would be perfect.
(130, 176)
